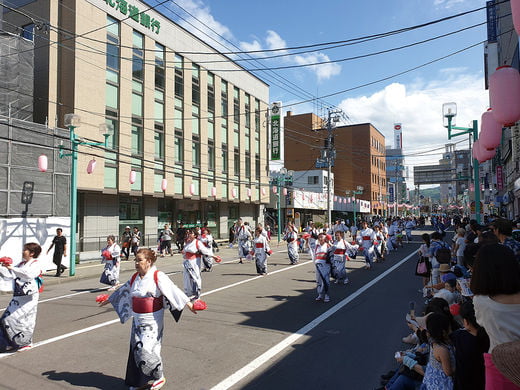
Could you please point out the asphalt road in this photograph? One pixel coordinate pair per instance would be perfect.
(257, 333)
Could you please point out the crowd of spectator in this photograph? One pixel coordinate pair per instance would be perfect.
(468, 336)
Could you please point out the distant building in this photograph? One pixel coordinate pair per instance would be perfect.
(360, 155)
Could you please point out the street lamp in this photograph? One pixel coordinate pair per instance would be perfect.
(279, 179)
(357, 191)
(449, 112)
(72, 121)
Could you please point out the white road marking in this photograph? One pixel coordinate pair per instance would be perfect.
(275, 350)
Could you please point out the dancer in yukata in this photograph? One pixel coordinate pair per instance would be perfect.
(207, 239)
(192, 253)
(291, 237)
(366, 238)
(144, 298)
(19, 319)
(260, 251)
(111, 257)
(319, 256)
(378, 243)
(341, 248)
(244, 237)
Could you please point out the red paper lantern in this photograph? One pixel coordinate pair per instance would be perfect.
(192, 189)
(42, 163)
(490, 131)
(504, 94)
(275, 190)
(213, 191)
(91, 166)
(132, 177)
(285, 192)
(164, 184)
(234, 193)
(249, 192)
(264, 191)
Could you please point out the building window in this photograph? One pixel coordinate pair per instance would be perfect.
(247, 112)
(211, 155)
(137, 138)
(257, 116)
(159, 142)
(159, 67)
(195, 152)
(178, 147)
(236, 107)
(137, 56)
(179, 76)
(248, 165)
(236, 162)
(224, 159)
(211, 92)
(195, 120)
(224, 103)
(312, 179)
(195, 85)
(28, 32)
(257, 167)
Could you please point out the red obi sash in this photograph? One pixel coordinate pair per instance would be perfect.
(191, 256)
(147, 304)
(339, 251)
(259, 245)
(321, 256)
(366, 237)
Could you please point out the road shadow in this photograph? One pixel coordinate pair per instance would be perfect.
(93, 379)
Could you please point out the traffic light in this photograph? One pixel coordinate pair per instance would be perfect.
(27, 192)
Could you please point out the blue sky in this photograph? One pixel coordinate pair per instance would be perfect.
(413, 99)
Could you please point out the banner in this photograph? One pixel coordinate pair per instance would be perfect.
(276, 110)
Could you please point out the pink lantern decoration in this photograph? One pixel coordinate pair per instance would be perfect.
(285, 192)
(213, 191)
(335, 198)
(294, 194)
(132, 177)
(515, 11)
(275, 190)
(91, 166)
(42, 163)
(485, 154)
(234, 193)
(249, 192)
(504, 94)
(490, 131)
(264, 191)
(345, 200)
(192, 189)
(164, 184)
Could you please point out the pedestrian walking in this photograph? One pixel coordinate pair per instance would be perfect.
(165, 239)
(59, 243)
(180, 236)
(19, 319)
(147, 293)
(136, 240)
(111, 257)
(126, 243)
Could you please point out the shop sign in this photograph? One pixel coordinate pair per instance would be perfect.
(276, 109)
(133, 12)
(500, 178)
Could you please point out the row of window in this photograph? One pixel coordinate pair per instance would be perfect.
(137, 136)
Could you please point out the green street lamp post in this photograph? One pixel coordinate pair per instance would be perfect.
(72, 121)
(279, 179)
(357, 191)
(449, 112)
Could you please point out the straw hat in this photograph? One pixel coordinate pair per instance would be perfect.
(506, 358)
(444, 268)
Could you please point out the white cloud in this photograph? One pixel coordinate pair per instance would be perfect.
(418, 107)
(447, 4)
(324, 71)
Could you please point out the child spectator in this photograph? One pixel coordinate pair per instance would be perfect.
(470, 343)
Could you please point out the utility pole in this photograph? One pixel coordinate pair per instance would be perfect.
(330, 155)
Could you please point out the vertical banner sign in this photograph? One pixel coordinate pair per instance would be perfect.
(276, 110)
(491, 21)
(500, 178)
(398, 136)
(391, 193)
